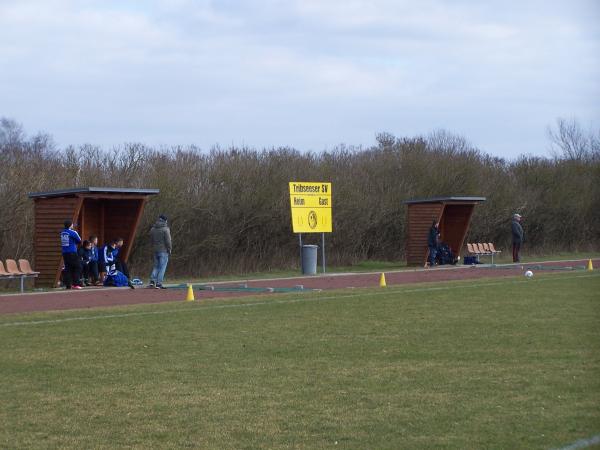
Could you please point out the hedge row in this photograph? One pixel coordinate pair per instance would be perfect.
(229, 208)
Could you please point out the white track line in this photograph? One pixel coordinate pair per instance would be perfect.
(582, 443)
(278, 302)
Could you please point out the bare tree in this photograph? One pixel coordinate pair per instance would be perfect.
(11, 132)
(570, 141)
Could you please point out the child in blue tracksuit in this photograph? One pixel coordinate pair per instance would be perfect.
(69, 238)
(85, 257)
(93, 266)
(106, 257)
(119, 263)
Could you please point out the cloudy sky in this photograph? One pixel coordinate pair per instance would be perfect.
(305, 73)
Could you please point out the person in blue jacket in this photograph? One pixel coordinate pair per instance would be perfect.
(108, 262)
(94, 275)
(84, 259)
(106, 257)
(119, 263)
(69, 238)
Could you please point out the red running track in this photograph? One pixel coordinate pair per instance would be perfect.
(106, 297)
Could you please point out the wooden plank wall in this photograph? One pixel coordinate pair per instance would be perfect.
(90, 219)
(50, 214)
(120, 220)
(420, 217)
(454, 225)
(133, 230)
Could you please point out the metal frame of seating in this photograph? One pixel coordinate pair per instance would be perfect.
(482, 249)
(22, 271)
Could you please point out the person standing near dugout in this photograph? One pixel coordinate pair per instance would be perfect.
(432, 243)
(160, 235)
(517, 237)
(69, 238)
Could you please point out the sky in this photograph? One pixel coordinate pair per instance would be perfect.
(310, 74)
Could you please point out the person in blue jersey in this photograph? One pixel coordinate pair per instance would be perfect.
(120, 264)
(69, 238)
(117, 278)
(106, 257)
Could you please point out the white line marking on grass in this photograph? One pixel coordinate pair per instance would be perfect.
(396, 289)
(582, 443)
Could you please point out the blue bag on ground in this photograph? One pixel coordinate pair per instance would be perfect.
(116, 279)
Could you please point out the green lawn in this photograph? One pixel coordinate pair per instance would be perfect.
(509, 363)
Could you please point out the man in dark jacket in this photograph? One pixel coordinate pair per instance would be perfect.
(517, 237)
(160, 235)
(432, 242)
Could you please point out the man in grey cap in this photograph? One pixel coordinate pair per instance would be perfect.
(517, 237)
(160, 235)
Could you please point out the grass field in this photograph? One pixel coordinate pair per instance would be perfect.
(509, 363)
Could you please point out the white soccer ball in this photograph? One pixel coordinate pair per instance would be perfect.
(529, 274)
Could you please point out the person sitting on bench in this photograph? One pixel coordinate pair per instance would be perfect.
(106, 256)
(119, 263)
(85, 255)
(93, 266)
(115, 278)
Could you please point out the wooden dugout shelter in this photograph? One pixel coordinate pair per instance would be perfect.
(108, 213)
(454, 215)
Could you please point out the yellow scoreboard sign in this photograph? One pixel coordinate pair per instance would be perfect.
(311, 207)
